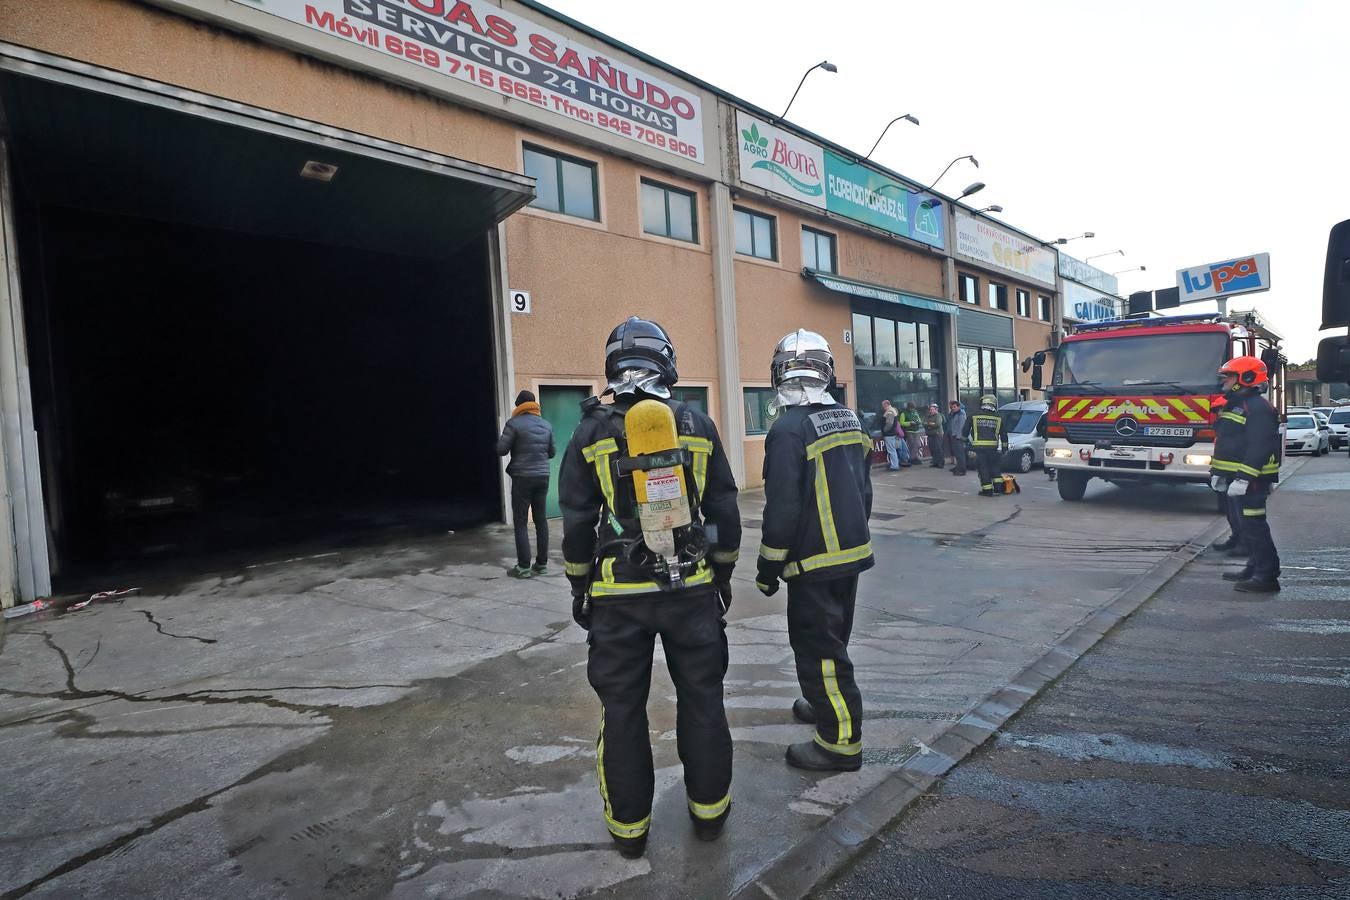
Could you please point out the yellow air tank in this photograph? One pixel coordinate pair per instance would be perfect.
(658, 484)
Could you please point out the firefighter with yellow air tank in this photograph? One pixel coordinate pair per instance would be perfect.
(985, 434)
(651, 533)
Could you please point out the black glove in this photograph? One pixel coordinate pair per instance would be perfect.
(723, 589)
(581, 611)
(769, 589)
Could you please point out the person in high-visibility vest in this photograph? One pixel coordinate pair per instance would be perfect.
(984, 432)
(1245, 465)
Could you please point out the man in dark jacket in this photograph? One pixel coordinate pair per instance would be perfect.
(956, 433)
(1245, 465)
(817, 499)
(626, 594)
(933, 427)
(528, 438)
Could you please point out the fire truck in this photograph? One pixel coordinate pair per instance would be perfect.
(1132, 400)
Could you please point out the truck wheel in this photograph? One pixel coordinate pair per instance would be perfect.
(1072, 486)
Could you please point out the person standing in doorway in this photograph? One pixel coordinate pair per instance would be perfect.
(817, 500)
(888, 434)
(933, 427)
(913, 427)
(528, 439)
(956, 432)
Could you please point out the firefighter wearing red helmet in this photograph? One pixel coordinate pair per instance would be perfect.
(1245, 465)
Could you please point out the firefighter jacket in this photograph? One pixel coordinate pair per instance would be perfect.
(817, 495)
(600, 511)
(985, 431)
(1247, 438)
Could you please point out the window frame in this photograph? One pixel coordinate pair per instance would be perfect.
(746, 392)
(831, 239)
(964, 278)
(773, 233)
(558, 157)
(1024, 303)
(666, 191)
(998, 296)
(1044, 308)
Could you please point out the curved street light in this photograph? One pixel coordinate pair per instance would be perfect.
(1107, 253)
(1086, 234)
(823, 64)
(1135, 269)
(972, 188)
(995, 208)
(975, 161)
(907, 117)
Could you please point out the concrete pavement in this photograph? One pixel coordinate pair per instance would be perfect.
(1198, 751)
(406, 720)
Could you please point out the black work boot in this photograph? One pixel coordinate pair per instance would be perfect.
(1257, 586)
(1243, 575)
(709, 829)
(631, 848)
(812, 756)
(1224, 545)
(1237, 551)
(803, 711)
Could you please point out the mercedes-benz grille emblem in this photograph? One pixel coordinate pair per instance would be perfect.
(1126, 426)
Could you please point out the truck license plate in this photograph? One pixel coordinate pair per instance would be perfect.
(1167, 431)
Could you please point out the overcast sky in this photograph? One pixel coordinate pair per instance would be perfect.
(1181, 132)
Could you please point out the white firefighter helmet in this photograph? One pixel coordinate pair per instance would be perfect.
(802, 369)
(989, 401)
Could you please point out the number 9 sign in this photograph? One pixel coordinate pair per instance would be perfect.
(520, 302)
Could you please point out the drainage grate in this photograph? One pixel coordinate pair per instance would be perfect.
(929, 500)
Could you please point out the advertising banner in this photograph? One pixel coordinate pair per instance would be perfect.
(1224, 279)
(785, 164)
(985, 242)
(1081, 272)
(1083, 304)
(483, 44)
(779, 161)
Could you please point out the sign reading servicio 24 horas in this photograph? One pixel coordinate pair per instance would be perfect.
(485, 45)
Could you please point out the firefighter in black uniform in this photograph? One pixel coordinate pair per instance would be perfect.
(817, 499)
(1245, 465)
(1232, 506)
(625, 599)
(984, 432)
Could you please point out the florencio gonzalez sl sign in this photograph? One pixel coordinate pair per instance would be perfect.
(785, 164)
(1224, 279)
(484, 45)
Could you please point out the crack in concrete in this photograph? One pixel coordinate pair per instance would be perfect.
(149, 617)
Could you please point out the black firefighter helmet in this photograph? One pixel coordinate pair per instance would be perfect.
(640, 344)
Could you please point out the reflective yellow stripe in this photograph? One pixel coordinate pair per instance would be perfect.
(599, 448)
(572, 568)
(725, 556)
(702, 449)
(1099, 408)
(1077, 408)
(697, 444)
(608, 587)
(773, 554)
(824, 509)
(1162, 412)
(1233, 417)
(841, 712)
(824, 560)
(1185, 410)
(1253, 512)
(1226, 465)
(842, 749)
(843, 439)
(710, 810)
(1272, 466)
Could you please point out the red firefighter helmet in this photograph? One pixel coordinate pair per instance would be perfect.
(1249, 370)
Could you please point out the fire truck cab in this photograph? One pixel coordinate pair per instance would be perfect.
(1132, 400)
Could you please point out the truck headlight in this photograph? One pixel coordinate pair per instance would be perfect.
(1197, 459)
(1059, 453)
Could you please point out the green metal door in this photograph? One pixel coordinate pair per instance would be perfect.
(562, 409)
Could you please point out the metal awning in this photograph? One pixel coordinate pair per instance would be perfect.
(880, 292)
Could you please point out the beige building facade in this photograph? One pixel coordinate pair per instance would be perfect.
(274, 268)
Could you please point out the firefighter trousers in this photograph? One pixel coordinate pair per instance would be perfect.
(987, 466)
(1233, 511)
(1263, 560)
(622, 639)
(820, 620)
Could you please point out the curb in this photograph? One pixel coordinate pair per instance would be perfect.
(802, 868)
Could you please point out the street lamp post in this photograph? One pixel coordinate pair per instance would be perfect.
(973, 188)
(973, 160)
(995, 208)
(824, 64)
(1107, 253)
(1062, 241)
(907, 117)
(1135, 269)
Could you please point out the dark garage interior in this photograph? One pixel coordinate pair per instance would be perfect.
(227, 357)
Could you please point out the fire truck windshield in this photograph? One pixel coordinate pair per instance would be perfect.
(1188, 362)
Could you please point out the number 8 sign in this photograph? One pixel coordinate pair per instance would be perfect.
(520, 302)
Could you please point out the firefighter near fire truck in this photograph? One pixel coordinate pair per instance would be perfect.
(1246, 464)
(817, 500)
(984, 432)
(651, 533)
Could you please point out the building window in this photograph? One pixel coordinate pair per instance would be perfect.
(998, 296)
(668, 212)
(1024, 303)
(970, 289)
(563, 184)
(893, 360)
(755, 234)
(694, 397)
(817, 250)
(862, 340)
(1043, 308)
(760, 409)
(985, 370)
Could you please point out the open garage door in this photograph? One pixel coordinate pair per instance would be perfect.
(243, 330)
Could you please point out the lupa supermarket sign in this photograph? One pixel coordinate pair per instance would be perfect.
(785, 164)
(485, 45)
(1224, 279)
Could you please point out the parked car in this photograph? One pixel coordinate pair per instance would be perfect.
(1339, 423)
(1026, 442)
(1304, 434)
